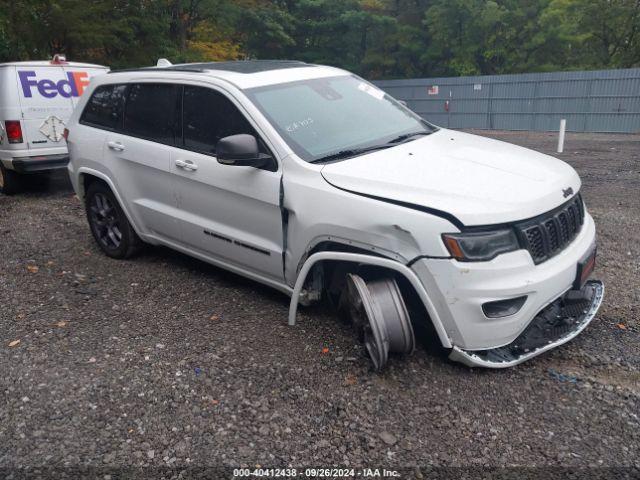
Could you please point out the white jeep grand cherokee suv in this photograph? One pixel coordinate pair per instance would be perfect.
(315, 182)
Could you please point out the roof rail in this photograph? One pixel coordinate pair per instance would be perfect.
(237, 66)
(161, 69)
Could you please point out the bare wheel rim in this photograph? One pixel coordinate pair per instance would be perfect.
(376, 353)
(367, 318)
(105, 221)
(395, 317)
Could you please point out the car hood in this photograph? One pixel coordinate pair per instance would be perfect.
(479, 181)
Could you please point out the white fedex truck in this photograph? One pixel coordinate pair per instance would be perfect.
(36, 100)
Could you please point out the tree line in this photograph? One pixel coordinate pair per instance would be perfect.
(375, 38)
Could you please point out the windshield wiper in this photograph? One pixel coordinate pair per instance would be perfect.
(351, 152)
(407, 136)
(354, 152)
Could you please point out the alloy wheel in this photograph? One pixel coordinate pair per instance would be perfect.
(105, 221)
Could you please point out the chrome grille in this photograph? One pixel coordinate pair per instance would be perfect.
(548, 234)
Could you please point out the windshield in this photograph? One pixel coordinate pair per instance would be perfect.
(325, 117)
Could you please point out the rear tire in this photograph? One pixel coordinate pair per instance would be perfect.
(10, 181)
(109, 225)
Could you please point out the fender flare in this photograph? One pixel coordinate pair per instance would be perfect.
(375, 261)
(96, 173)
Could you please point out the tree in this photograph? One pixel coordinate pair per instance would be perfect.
(596, 33)
(375, 38)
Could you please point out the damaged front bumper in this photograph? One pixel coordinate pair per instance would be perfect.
(556, 324)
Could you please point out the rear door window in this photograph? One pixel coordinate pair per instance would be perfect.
(209, 116)
(105, 107)
(152, 112)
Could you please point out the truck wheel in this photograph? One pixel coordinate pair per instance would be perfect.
(109, 225)
(9, 181)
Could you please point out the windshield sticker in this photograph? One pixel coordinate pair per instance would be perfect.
(374, 92)
(295, 126)
(326, 92)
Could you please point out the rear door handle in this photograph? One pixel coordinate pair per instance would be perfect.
(186, 165)
(117, 146)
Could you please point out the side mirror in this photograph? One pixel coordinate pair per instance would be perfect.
(241, 151)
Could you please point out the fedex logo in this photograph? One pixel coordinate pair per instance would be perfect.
(72, 86)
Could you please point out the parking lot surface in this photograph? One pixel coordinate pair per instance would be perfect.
(163, 360)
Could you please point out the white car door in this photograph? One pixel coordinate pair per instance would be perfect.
(228, 213)
(139, 155)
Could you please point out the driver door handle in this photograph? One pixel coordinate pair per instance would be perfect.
(117, 146)
(186, 165)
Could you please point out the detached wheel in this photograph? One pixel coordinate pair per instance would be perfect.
(10, 181)
(378, 311)
(109, 225)
(367, 318)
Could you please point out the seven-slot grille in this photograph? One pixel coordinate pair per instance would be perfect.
(549, 234)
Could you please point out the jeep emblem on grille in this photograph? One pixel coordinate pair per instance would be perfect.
(566, 192)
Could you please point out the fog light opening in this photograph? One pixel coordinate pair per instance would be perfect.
(503, 308)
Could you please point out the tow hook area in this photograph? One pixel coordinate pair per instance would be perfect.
(380, 315)
(554, 325)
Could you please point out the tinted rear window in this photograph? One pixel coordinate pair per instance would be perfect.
(151, 112)
(104, 108)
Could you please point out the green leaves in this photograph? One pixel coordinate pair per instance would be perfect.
(598, 33)
(375, 38)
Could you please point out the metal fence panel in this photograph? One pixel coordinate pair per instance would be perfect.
(590, 101)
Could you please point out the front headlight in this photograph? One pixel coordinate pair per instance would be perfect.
(480, 246)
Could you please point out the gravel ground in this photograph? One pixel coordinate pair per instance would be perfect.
(166, 361)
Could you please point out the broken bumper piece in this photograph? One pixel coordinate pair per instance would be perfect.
(555, 325)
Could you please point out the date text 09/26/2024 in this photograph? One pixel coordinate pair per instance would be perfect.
(315, 473)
